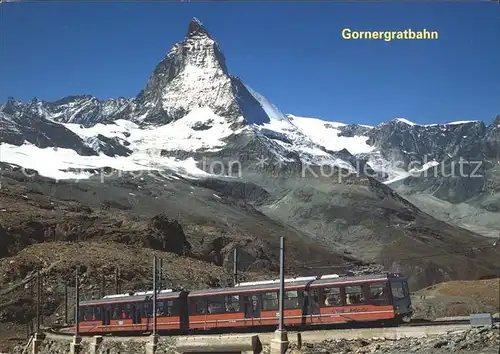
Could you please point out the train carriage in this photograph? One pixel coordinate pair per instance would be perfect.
(133, 313)
(309, 301)
(239, 307)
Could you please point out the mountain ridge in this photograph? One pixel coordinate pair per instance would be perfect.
(194, 121)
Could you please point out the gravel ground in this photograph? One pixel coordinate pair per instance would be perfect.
(482, 340)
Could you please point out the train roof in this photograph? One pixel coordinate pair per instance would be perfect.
(290, 283)
(139, 296)
(297, 283)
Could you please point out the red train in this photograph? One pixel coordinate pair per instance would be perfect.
(328, 299)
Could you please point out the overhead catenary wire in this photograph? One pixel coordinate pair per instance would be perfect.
(458, 251)
(347, 264)
(488, 242)
(473, 246)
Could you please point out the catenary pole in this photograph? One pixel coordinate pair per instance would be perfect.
(117, 288)
(154, 295)
(77, 303)
(160, 277)
(282, 284)
(65, 302)
(235, 266)
(38, 297)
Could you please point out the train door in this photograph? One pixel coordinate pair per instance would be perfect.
(106, 315)
(147, 314)
(183, 310)
(136, 313)
(247, 306)
(304, 299)
(314, 305)
(401, 299)
(252, 306)
(256, 305)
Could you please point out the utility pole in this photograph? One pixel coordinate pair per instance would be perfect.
(153, 344)
(38, 297)
(77, 303)
(76, 346)
(160, 278)
(38, 337)
(235, 266)
(42, 286)
(282, 283)
(154, 295)
(103, 285)
(117, 288)
(279, 344)
(65, 302)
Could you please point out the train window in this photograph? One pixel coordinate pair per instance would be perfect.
(215, 304)
(107, 310)
(197, 306)
(166, 308)
(354, 295)
(232, 303)
(406, 290)
(162, 308)
(378, 293)
(127, 311)
(291, 300)
(115, 312)
(138, 310)
(121, 311)
(270, 301)
(397, 290)
(85, 313)
(171, 307)
(148, 309)
(97, 313)
(332, 296)
(315, 296)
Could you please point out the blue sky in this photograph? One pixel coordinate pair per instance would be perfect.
(292, 53)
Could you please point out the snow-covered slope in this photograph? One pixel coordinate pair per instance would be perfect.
(458, 122)
(329, 135)
(271, 110)
(64, 164)
(201, 129)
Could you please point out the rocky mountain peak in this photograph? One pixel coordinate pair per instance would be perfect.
(496, 122)
(192, 75)
(11, 106)
(195, 28)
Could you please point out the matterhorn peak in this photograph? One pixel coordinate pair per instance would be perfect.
(194, 75)
(195, 27)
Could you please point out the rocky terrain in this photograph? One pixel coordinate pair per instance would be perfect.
(56, 227)
(457, 298)
(463, 185)
(484, 340)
